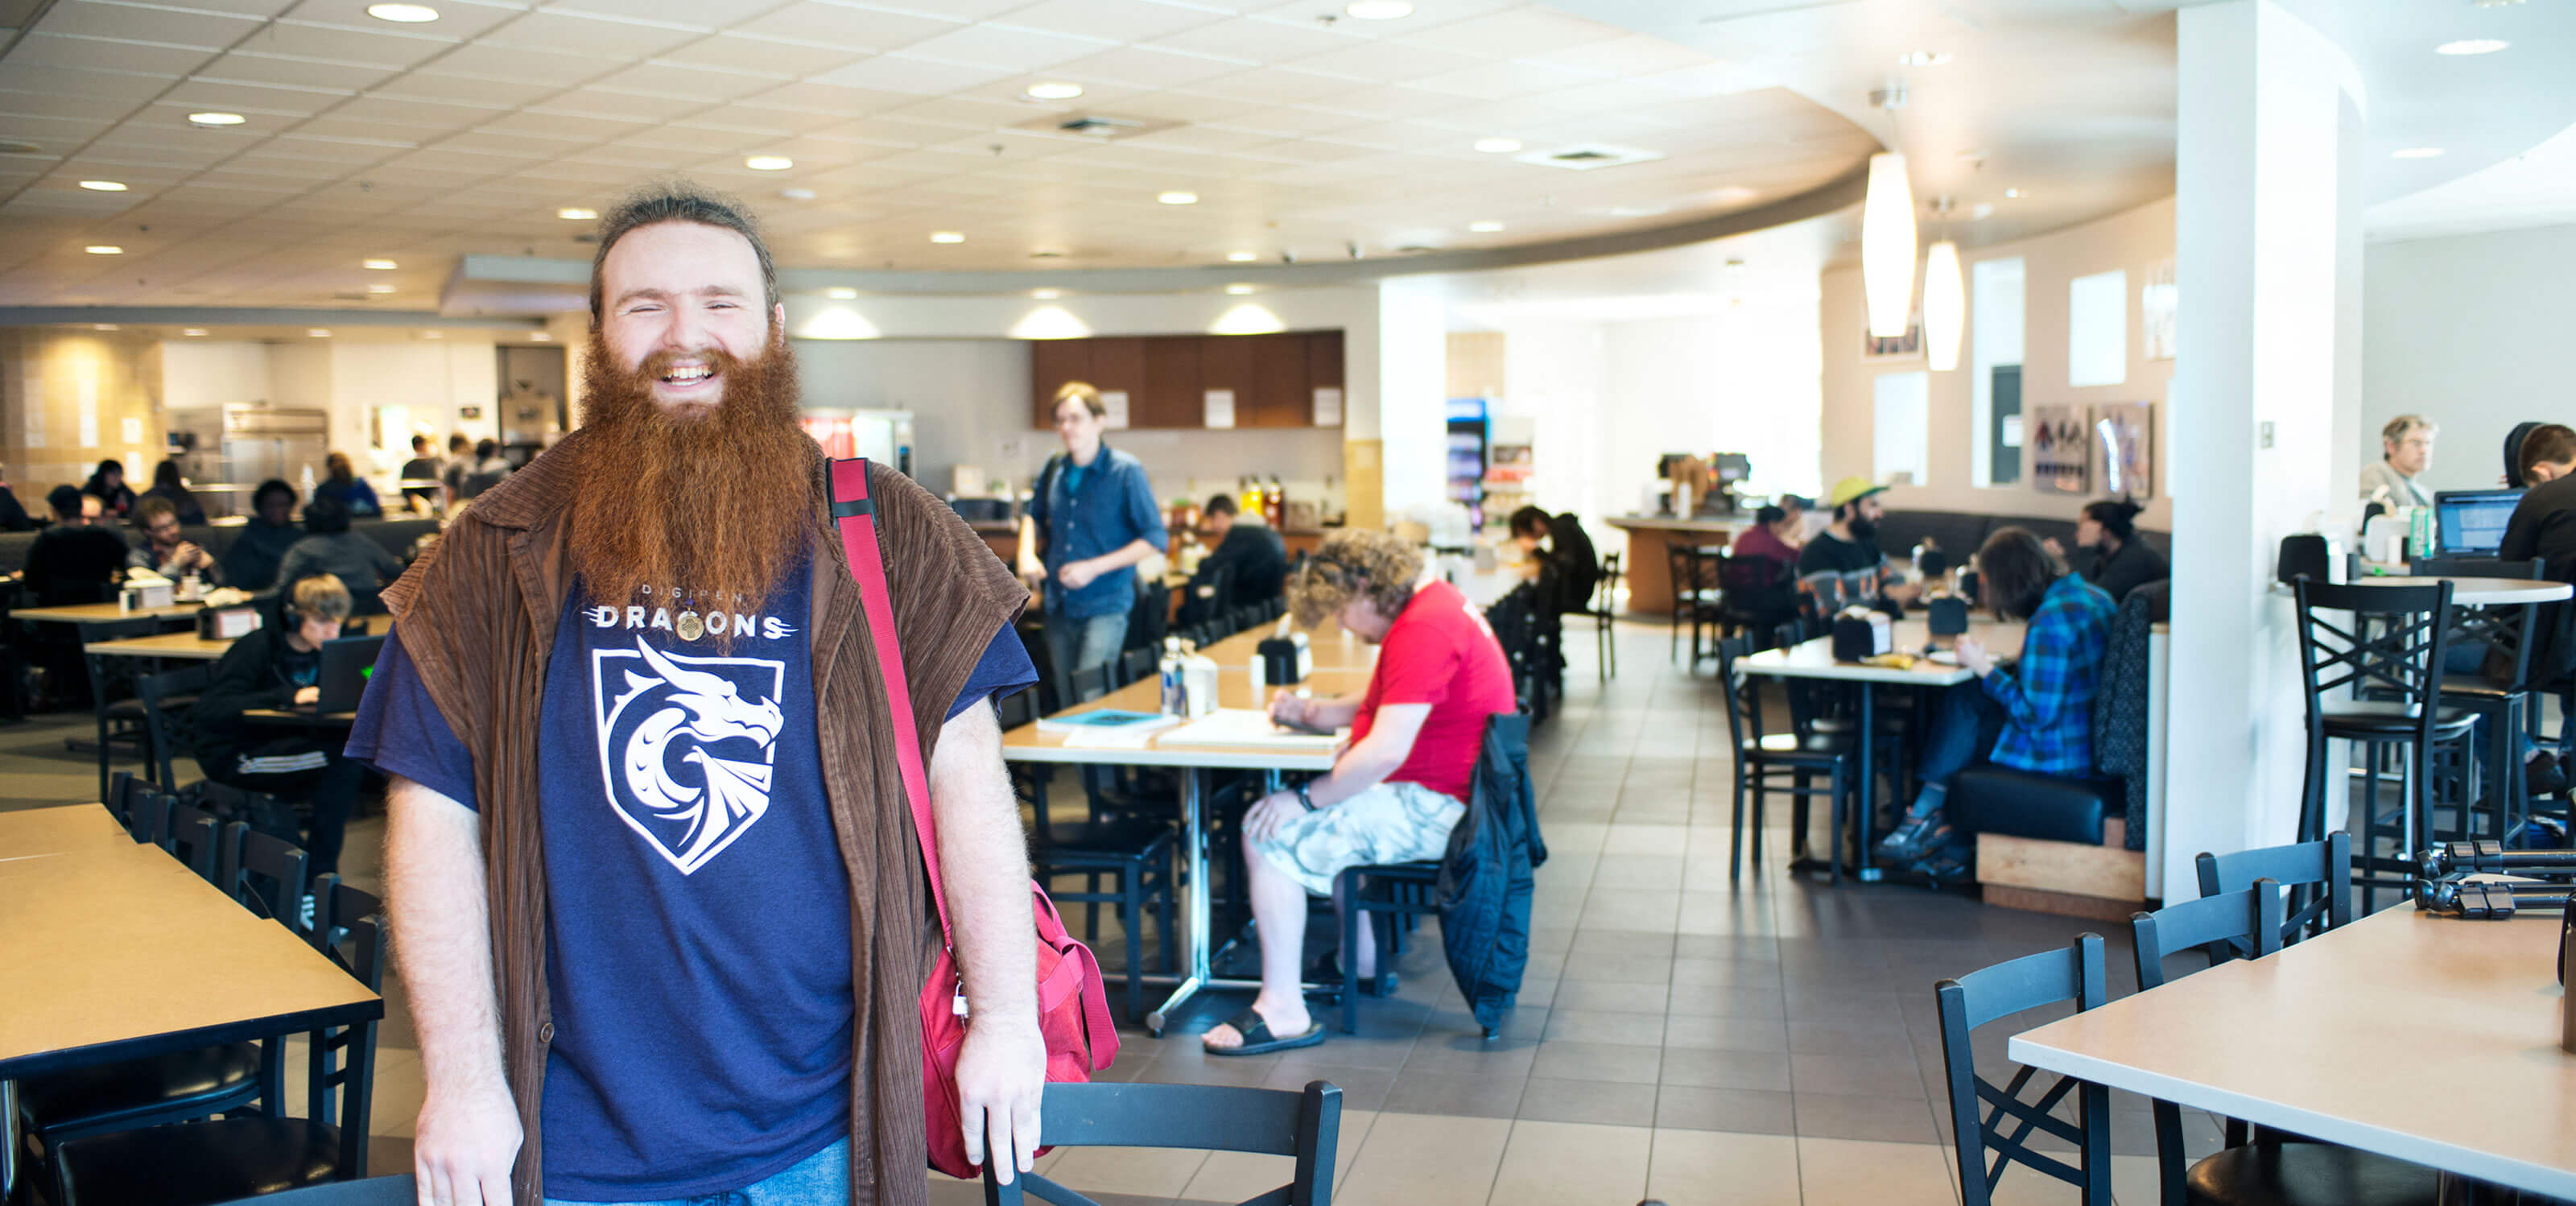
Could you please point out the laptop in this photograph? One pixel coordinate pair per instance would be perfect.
(346, 665)
(2471, 523)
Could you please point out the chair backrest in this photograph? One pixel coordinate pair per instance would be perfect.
(1016, 709)
(1743, 713)
(161, 728)
(1605, 589)
(2244, 924)
(1686, 567)
(2318, 873)
(1304, 1125)
(2393, 649)
(1090, 683)
(130, 801)
(1134, 664)
(366, 1191)
(349, 928)
(191, 837)
(263, 873)
(2076, 973)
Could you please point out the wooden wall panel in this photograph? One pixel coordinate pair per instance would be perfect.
(1166, 377)
(1174, 393)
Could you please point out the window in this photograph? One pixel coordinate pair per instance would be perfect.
(1902, 429)
(2097, 329)
(1995, 316)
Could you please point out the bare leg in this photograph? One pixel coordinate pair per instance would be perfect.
(1279, 912)
(1363, 959)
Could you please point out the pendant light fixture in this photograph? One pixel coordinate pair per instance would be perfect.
(1945, 299)
(1887, 234)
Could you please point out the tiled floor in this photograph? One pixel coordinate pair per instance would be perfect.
(1678, 1036)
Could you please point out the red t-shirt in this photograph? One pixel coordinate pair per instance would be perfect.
(1440, 652)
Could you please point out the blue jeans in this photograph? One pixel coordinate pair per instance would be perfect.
(1079, 643)
(821, 1179)
(1966, 723)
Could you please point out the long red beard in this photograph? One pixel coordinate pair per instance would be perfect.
(713, 503)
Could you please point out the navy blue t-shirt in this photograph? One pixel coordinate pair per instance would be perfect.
(699, 959)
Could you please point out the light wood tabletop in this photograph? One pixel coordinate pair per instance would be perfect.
(180, 646)
(1341, 664)
(2486, 592)
(2430, 1039)
(30, 833)
(105, 613)
(1815, 659)
(116, 950)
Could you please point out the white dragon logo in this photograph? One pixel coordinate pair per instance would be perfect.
(699, 709)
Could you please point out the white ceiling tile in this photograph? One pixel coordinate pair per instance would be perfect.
(1426, 13)
(1500, 81)
(686, 14)
(1385, 62)
(1390, 103)
(588, 36)
(342, 44)
(59, 132)
(1290, 121)
(1174, 106)
(817, 22)
(671, 137)
(458, 20)
(1005, 47)
(1275, 86)
(244, 67)
(771, 123)
(262, 104)
(171, 27)
(1113, 20)
(1259, 40)
(966, 113)
(430, 85)
(413, 114)
(1633, 55)
(684, 83)
(487, 60)
(570, 171)
(517, 146)
(255, 169)
(1521, 31)
(832, 99)
(344, 151)
(41, 49)
(1202, 139)
(896, 73)
(766, 56)
(1140, 67)
(92, 86)
(602, 103)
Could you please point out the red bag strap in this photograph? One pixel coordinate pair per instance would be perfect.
(854, 517)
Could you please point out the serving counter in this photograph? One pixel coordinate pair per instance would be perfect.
(1648, 574)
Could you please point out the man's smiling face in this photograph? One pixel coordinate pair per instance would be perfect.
(676, 293)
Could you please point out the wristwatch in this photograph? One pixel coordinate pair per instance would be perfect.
(1303, 798)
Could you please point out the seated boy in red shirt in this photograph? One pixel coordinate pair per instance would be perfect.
(1395, 792)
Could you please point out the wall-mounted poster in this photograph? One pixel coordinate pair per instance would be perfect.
(1897, 347)
(2124, 439)
(2156, 301)
(2061, 452)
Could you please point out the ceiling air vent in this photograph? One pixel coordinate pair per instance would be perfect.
(1588, 156)
(13, 146)
(1093, 127)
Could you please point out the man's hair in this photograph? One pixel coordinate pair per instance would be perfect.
(1529, 521)
(1223, 504)
(680, 201)
(419, 441)
(321, 597)
(65, 500)
(2547, 444)
(1769, 515)
(486, 449)
(458, 442)
(1084, 392)
(166, 476)
(326, 516)
(338, 467)
(1351, 563)
(2015, 570)
(2118, 516)
(274, 485)
(2399, 426)
(154, 508)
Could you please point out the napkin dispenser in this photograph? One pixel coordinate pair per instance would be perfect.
(1948, 615)
(1859, 634)
(227, 623)
(1285, 659)
(144, 594)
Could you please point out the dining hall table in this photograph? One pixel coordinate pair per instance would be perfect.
(1341, 664)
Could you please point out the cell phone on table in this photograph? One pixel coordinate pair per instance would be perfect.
(1299, 726)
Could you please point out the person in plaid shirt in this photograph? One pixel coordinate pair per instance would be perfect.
(2034, 716)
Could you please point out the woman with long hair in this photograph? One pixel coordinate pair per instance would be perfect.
(166, 483)
(107, 484)
(344, 484)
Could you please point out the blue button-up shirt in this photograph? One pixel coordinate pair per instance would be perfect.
(2048, 696)
(1084, 512)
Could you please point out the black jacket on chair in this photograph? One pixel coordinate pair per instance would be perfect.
(1487, 879)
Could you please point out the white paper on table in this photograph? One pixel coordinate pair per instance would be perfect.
(1220, 408)
(1246, 726)
(1328, 406)
(1115, 402)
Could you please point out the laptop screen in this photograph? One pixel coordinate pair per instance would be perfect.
(2473, 521)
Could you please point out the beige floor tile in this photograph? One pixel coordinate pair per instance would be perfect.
(1708, 1168)
(1242, 1176)
(1572, 1164)
(2133, 1180)
(1427, 1160)
(1156, 1172)
(1854, 1172)
(1641, 839)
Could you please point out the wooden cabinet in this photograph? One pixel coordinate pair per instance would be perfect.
(1166, 377)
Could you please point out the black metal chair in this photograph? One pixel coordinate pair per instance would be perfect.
(1304, 1125)
(266, 874)
(1763, 760)
(1695, 594)
(368, 1191)
(2501, 693)
(1134, 851)
(186, 1163)
(2318, 875)
(1603, 608)
(191, 837)
(2391, 658)
(1135, 664)
(2076, 974)
(137, 806)
(166, 698)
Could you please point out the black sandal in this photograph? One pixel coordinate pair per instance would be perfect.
(1257, 1039)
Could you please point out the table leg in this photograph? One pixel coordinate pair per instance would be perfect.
(98, 705)
(8, 1139)
(1194, 847)
(1865, 826)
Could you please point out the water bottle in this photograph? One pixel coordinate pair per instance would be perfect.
(1174, 704)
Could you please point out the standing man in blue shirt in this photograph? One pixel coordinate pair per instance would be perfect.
(1092, 518)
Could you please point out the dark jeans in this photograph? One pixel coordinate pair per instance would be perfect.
(1965, 725)
(332, 786)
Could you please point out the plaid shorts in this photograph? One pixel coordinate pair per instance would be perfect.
(1388, 823)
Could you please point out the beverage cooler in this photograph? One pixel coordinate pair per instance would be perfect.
(879, 435)
(1468, 446)
(226, 451)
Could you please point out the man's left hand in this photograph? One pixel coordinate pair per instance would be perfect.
(1077, 574)
(1268, 813)
(1001, 1071)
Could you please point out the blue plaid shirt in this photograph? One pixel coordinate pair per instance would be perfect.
(2048, 694)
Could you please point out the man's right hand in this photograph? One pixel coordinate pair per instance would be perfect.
(465, 1143)
(306, 695)
(1288, 707)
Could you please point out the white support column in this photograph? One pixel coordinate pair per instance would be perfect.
(2267, 237)
(1413, 383)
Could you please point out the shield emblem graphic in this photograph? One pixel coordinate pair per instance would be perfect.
(687, 745)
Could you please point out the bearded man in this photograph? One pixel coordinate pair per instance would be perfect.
(648, 850)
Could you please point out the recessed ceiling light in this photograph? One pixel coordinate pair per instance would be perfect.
(380, 288)
(1378, 10)
(1238, 290)
(217, 119)
(946, 236)
(1733, 194)
(574, 213)
(769, 163)
(317, 333)
(103, 326)
(193, 332)
(1242, 257)
(1980, 212)
(1498, 146)
(1178, 198)
(797, 194)
(1635, 211)
(2417, 153)
(1046, 294)
(1922, 58)
(2472, 46)
(540, 337)
(841, 293)
(2014, 194)
(103, 186)
(1484, 227)
(1054, 91)
(104, 249)
(377, 265)
(403, 14)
